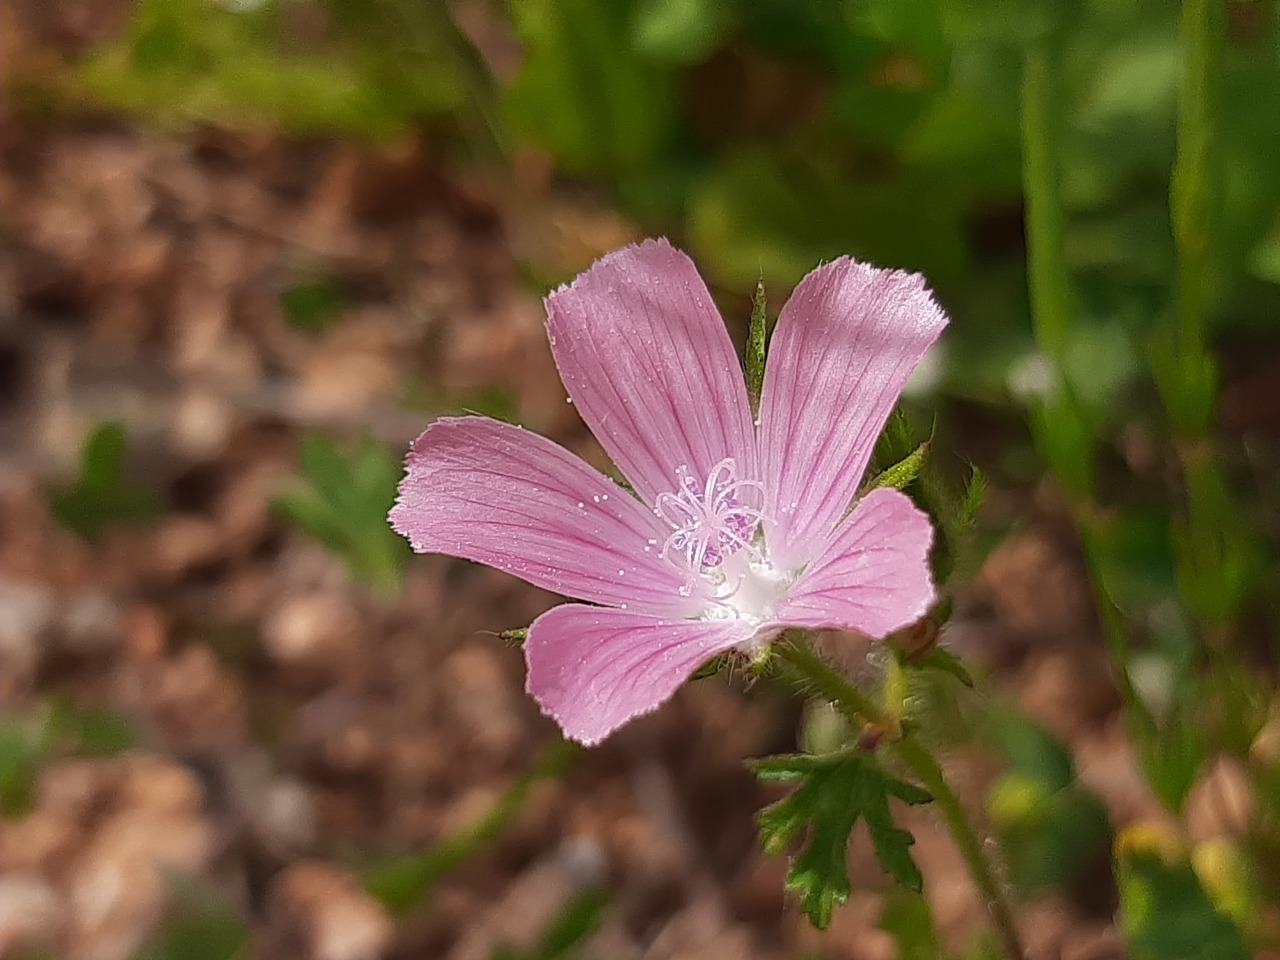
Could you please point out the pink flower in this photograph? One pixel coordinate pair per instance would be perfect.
(737, 529)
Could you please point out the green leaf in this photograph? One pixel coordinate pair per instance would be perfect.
(23, 744)
(573, 925)
(835, 791)
(101, 495)
(342, 501)
(1034, 752)
(756, 346)
(906, 917)
(388, 65)
(200, 927)
(312, 307)
(1166, 915)
(585, 92)
(679, 31)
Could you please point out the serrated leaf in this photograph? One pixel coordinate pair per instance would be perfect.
(835, 792)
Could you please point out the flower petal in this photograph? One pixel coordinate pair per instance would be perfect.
(592, 669)
(845, 343)
(494, 493)
(648, 362)
(873, 577)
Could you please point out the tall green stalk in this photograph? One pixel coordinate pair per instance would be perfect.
(1046, 222)
(1195, 190)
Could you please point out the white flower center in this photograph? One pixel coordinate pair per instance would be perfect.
(716, 536)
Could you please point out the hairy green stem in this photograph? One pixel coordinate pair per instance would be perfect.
(860, 709)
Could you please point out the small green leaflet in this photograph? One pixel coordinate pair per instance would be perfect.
(101, 495)
(835, 791)
(342, 499)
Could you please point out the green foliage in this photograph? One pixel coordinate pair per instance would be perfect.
(906, 917)
(904, 472)
(585, 92)
(55, 728)
(1051, 828)
(102, 496)
(834, 792)
(312, 307)
(22, 745)
(200, 926)
(188, 60)
(405, 882)
(88, 730)
(568, 930)
(343, 501)
(1165, 914)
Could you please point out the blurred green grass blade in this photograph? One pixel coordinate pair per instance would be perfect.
(403, 883)
(573, 925)
(585, 92)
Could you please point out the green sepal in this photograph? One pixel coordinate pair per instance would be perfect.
(901, 474)
(757, 341)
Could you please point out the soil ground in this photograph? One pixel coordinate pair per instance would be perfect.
(288, 725)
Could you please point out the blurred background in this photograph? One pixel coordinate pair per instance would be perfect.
(250, 248)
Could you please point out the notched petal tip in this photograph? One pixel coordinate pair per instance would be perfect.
(631, 252)
(845, 343)
(650, 367)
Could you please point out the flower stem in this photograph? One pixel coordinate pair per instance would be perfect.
(860, 709)
(926, 767)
